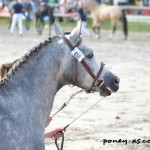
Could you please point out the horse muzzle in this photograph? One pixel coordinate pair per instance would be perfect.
(106, 88)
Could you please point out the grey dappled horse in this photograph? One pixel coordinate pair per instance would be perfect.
(27, 91)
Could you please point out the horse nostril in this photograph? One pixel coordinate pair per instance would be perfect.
(117, 80)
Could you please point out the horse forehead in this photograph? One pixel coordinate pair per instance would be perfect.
(85, 49)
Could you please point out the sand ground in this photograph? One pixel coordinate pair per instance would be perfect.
(124, 115)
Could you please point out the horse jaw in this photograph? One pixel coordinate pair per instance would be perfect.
(76, 32)
(58, 29)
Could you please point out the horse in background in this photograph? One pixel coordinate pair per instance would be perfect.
(104, 13)
(41, 11)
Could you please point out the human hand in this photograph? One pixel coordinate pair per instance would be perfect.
(56, 133)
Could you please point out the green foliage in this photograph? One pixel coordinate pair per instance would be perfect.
(4, 21)
(139, 26)
(132, 26)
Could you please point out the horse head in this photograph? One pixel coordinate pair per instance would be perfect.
(81, 67)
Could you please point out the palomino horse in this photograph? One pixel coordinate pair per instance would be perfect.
(27, 91)
(104, 13)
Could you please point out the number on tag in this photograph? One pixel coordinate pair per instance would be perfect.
(78, 54)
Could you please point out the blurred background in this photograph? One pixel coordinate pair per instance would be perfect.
(125, 114)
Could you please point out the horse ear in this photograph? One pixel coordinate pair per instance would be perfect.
(58, 29)
(76, 32)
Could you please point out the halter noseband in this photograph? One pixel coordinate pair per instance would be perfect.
(86, 66)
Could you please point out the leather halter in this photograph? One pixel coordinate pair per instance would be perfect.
(83, 62)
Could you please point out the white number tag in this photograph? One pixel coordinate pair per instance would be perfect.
(78, 54)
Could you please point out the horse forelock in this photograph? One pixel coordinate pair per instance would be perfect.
(23, 60)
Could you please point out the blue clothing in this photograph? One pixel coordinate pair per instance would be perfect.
(99, 1)
(82, 14)
(18, 8)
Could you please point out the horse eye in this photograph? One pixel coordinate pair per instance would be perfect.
(90, 55)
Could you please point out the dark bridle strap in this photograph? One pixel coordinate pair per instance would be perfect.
(99, 73)
(88, 69)
(69, 43)
(72, 47)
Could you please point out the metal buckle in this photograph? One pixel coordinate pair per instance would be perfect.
(100, 83)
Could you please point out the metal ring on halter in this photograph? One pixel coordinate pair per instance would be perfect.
(101, 83)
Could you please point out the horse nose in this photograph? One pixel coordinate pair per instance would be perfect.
(112, 81)
(117, 81)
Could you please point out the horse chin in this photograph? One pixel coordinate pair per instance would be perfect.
(104, 92)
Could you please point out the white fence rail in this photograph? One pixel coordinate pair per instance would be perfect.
(138, 18)
(127, 7)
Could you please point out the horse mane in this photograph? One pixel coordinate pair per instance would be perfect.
(23, 60)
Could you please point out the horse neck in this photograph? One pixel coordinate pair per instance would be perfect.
(36, 82)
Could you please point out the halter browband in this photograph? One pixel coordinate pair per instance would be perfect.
(83, 62)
